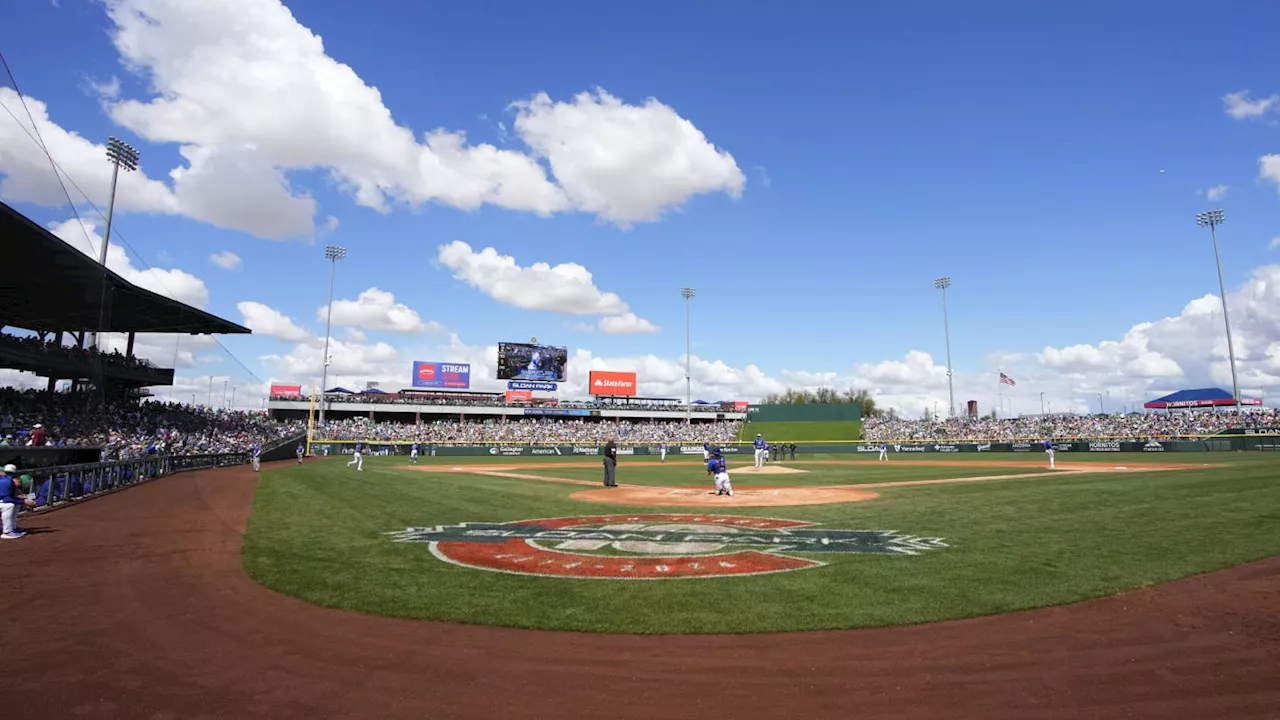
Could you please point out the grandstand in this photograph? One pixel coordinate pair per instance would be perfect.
(53, 300)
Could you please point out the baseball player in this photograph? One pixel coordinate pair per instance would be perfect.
(356, 458)
(706, 451)
(413, 454)
(256, 456)
(716, 468)
(11, 485)
(762, 450)
(1048, 450)
(884, 451)
(662, 450)
(300, 451)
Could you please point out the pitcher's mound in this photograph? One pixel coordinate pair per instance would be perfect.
(742, 497)
(766, 470)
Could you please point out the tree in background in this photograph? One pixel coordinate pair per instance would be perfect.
(826, 396)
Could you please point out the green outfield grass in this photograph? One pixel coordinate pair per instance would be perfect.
(776, 432)
(688, 474)
(317, 533)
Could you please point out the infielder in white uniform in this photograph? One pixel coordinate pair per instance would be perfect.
(413, 454)
(716, 467)
(884, 451)
(762, 450)
(357, 459)
(1048, 450)
(663, 450)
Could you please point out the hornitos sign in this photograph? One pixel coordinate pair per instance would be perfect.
(653, 546)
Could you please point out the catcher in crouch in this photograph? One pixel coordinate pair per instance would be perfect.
(716, 467)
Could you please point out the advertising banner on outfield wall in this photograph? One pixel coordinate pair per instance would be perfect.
(286, 391)
(453, 376)
(519, 396)
(607, 382)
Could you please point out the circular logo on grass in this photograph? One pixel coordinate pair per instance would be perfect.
(653, 546)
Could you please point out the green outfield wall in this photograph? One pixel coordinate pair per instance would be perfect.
(848, 412)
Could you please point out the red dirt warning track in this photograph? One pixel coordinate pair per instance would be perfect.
(134, 606)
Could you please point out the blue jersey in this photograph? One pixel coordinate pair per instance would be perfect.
(664, 447)
(706, 446)
(1048, 444)
(761, 444)
(716, 465)
(359, 447)
(257, 450)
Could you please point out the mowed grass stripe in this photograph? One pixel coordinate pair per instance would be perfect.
(1013, 545)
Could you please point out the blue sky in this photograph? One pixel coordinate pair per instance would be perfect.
(1017, 149)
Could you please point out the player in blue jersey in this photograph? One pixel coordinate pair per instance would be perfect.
(256, 456)
(1048, 450)
(762, 450)
(356, 458)
(716, 468)
(300, 452)
(413, 454)
(706, 451)
(663, 449)
(884, 451)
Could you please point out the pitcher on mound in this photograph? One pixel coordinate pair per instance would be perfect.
(762, 450)
(716, 467)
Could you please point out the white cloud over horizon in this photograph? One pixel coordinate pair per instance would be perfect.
(214, 74)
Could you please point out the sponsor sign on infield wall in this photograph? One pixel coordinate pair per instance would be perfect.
(607, 382)
(455, 376)
(286, 391)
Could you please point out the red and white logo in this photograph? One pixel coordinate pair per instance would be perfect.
(652, 546)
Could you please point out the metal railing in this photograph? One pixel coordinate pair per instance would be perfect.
(57, 486)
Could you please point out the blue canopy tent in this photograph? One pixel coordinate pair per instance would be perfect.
(1201, 398)
(374, 391)
(338, 390)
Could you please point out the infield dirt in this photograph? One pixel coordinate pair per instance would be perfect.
(134, 605)
(784, 496)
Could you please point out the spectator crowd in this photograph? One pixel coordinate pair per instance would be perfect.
(499, 400)
(47, 350)
(1179, 423)
(131, 429)
(528, 430)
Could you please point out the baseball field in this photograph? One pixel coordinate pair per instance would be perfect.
(832, 542)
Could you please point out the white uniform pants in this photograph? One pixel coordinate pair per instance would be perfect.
(9, 516)
(760, 457)
(413, 456)
(664, 454)
(257, 464)
(884, 454)
(1050, 454)
(706, 455)
(723, 484)
(357, 460)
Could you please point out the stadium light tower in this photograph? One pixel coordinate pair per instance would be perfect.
(121, 155)
(333, 254)
(1212, 219)
(687, 293)
(942, 284)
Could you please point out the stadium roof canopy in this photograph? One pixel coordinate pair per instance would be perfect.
(49, 285)
(1204, 397)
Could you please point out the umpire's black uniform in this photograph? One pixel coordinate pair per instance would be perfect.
(610, 464)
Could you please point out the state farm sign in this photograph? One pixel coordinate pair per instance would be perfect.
(607, 382)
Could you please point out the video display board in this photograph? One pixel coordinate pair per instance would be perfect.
(526, 361)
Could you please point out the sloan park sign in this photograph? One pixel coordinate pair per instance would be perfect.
(653, 546)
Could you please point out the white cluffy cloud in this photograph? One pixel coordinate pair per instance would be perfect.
(567, 288)
(226, 260)
(215, 72)
(1216, 193)
(177, 284)
(266, 320)
(1240, 106)
(376, 309)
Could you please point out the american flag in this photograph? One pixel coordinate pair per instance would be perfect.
(1007, 380)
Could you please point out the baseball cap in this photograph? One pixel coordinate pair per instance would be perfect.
(11, 468)
(37, 426)
(26, 482)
